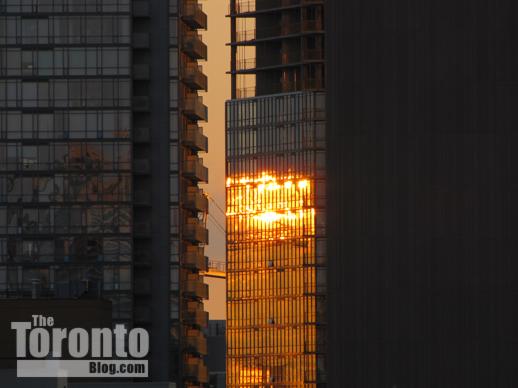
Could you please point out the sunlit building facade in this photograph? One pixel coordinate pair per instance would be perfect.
(276, 259)
(100, 165)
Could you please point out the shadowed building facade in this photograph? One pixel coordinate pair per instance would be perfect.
(422, 210)
(275, 195)
(99, 165)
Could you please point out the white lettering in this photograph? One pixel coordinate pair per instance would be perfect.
(120, 332)
(78, 343)
(138, 343)
(21, 336)
(39, 343)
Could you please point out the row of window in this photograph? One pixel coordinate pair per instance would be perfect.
(85, 29)
(306, 162)
(275, 254)
(60, 279)
(65, 219)
(56, 156)
(57, 6)
(67, 124)
(293, 107)
(286, 370)
(64, 93)
(65, 250)
(292, 282)
(97, 61)
(66, 188)
(271, 340)
(276, 138)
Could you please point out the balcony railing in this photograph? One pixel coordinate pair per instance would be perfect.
(195, 139)
(193, 168)
(194, 287)
(195, 109)
(195, 315)
(279, 31)
(246, 92)
(198, 318)
(196, 200)
(196, 371)
(195, 231)
(248, 6)
(196, 343)
(193, 14)
(193, 46)
(285, 58)
(193, 76)
(306, 84)
(194, 258)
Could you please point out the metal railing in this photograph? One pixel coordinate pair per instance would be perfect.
(249, 6)
(284, 58)
(246, 92)
(279, 31)
(217, 269)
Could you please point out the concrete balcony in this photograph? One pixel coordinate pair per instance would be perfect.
(194, 138)
(196, 343)
(192, 76)
(195, 288)
(196, 200)
(193, 46)
(194, 108)
(195, 370)
(194, 169)
(193, 14)
(196, 316)
(195, 231)
(194, 258)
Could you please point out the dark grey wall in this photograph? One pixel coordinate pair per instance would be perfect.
(422, 187)
(161, 359)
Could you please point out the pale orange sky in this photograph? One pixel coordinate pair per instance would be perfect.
(217, 35)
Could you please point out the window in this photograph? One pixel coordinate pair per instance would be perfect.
(173, 62)
(13, 62)
(45, 62)
(77, 61)
(173, 31)
(173, 94)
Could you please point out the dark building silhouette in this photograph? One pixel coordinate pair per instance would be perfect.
(99, 165)
(422, 170)
(216, 353)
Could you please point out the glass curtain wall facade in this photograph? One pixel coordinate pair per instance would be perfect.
(99, 141)
(276, 241)
(65, 151)
(276, 228)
